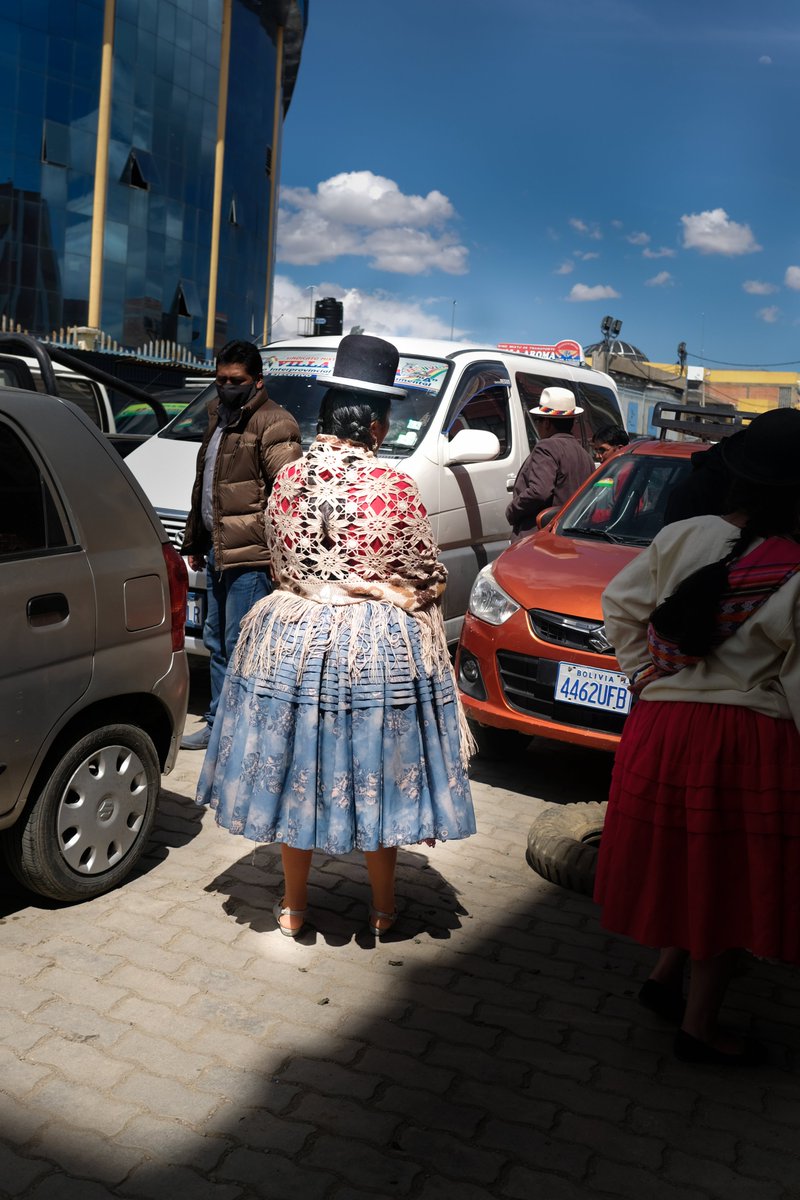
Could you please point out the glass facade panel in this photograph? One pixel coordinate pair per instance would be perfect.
(163, 116)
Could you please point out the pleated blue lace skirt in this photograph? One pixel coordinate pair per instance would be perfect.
(315, 754)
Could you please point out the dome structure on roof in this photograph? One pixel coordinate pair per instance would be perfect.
(619, 349)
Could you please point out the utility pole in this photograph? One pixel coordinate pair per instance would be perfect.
(683, 370)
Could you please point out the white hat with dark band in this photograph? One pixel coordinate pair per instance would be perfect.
(556, 403)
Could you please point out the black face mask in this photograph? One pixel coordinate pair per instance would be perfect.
(234, 395)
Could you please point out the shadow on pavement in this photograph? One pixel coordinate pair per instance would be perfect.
(339, 898)
(516, 1064)
(177, 823)
(550, 771)
(510, 1061)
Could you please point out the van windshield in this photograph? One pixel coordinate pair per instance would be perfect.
(290, 378)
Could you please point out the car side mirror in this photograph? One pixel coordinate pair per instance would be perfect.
(545, 517)
(472, 446)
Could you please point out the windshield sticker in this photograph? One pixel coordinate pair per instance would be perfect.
(604, 483)
(308, 366)
(418, 373)
(406, 439)
(413, 373)
(414, 424)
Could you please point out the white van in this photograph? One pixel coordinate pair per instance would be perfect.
(462, 433)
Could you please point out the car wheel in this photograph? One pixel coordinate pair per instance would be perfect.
(563, 843)
(92, 818)
(497, 743)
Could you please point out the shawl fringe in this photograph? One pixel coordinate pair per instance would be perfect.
(259, 653)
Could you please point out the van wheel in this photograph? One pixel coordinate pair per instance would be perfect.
(91, 819)
(563, 843)
(497, 743)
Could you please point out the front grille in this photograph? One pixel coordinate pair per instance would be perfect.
(563, 630)
(529, 687)
(174, 521)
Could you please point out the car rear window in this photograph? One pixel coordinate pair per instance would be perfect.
(626, 501)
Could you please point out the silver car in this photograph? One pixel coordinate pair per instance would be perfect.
(93, 675)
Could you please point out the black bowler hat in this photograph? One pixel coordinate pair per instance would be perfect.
(768, 450)
(365, 364)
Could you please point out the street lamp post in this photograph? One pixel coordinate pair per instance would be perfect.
(610, 328)
(453, 321)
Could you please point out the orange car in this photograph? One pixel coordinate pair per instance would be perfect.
(533, 655)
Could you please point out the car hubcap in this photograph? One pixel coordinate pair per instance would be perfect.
(101, 809)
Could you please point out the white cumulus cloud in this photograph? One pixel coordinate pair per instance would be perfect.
(756, 287)
(638, 239)
(581, 226)
(765, 60)
(566, 268)
(792, 278)
(662, 252)
(377, 312)
(660, 280)
(358, 212)
(713, 232)
(770, 314)
(600, 291)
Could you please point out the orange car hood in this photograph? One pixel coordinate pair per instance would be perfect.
(561, 574)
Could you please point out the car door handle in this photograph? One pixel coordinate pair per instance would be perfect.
(510, 481)
(49, 609)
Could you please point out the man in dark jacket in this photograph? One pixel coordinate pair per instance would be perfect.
(249, 438)
(555, 468)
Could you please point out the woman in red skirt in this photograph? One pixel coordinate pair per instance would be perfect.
(701, 847)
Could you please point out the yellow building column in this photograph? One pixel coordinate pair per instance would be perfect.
(101, 168)
(219, 163)
(274, 180)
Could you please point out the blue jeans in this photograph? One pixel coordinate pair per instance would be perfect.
(230, 596)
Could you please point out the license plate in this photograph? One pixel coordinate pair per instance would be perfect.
(195, 610)
(593, 688)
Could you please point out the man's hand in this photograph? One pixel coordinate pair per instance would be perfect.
(197, 562)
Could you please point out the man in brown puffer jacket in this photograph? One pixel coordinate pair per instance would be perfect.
(249, 438)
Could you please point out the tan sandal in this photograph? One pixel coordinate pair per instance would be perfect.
(376, 915)
(278, 911)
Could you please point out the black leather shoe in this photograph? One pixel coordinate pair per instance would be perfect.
(668, 1002)
(197, 740)
(691, 1050)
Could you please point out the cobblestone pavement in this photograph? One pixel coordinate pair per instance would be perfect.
(167, 1041)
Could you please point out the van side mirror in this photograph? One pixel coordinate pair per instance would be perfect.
(471, 446)
(545, 517)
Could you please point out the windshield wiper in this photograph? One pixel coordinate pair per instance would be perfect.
(592, 533)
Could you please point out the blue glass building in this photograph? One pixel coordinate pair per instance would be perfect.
(139, 164)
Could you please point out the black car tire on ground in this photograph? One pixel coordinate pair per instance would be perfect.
(92, 818)
(563, 842)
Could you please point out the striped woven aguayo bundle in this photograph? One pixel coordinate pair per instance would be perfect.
(751, 581)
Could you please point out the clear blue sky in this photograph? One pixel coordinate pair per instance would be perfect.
(543, 164)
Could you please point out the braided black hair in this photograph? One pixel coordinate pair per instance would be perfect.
(688, 616)
(347, 414)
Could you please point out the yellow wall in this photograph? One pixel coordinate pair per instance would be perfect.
(751, 391)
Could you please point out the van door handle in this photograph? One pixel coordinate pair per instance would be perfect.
(510, 481)
(49, 609)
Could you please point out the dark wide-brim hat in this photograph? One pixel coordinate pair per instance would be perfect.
(365, 364)
(768, 450)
